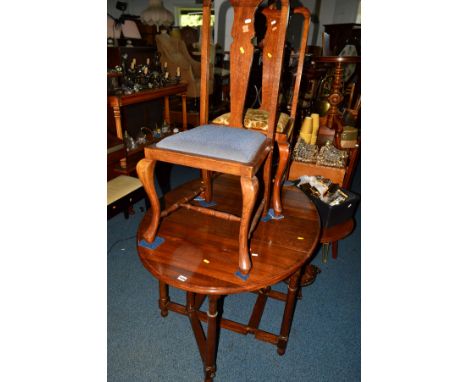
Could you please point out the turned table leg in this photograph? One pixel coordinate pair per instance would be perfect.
(163, 298)
(196, 325)
(167, 110)
(118, 121)
(207, 346)
(335, 249)
(291, 298)
(184, 111)
(212, 337)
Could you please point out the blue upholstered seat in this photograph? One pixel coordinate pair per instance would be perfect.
(220, 142)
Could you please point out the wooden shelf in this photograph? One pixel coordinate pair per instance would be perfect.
(114, 74)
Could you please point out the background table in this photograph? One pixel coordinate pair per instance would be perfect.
(117, 101)
(121, 100)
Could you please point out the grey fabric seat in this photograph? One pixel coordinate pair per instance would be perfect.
(220, 142)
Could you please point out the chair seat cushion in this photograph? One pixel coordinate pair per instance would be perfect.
(218, 142)
(256, 119)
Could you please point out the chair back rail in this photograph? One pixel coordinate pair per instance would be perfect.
(272, 61)
(205, 61)
(300, 64)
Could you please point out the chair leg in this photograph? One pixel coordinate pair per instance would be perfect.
(207, 182)
(249, 193)
(283, 160)
(145, 171)
(267, 182)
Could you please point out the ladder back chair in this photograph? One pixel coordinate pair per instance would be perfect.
(225, 149)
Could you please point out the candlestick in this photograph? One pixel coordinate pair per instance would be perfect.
(306, 129)
(306, 125)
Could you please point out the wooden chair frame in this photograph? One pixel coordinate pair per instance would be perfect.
(241, 56)
(283, 138)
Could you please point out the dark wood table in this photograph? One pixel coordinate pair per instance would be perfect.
(117, 101)
(200, 256)
(120, 100)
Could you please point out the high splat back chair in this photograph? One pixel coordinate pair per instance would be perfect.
(258, 118)
(225, 149)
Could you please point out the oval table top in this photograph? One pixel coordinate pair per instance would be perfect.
(200, 253)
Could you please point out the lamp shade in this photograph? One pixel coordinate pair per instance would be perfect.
(156, 14)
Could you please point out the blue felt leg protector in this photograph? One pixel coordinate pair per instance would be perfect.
(202, 202)
(271, 216)
(156, 243)
(240, 275)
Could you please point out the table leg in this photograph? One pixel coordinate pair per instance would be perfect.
(118, 121)
(167, 111)
(184, 111)
(207, 346)
(196, 325)
(118, 130)
(212, 340)
(163, 298)
(335, 249)
(325, 248)
(291, 298)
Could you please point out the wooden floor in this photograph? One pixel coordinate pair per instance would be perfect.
(200, 253)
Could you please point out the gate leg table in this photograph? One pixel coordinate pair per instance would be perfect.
(199, 255)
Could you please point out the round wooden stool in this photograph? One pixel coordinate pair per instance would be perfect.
(332, 235)
(329, 235)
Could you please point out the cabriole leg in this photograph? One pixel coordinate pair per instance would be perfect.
(145, 171)
(249, 194)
